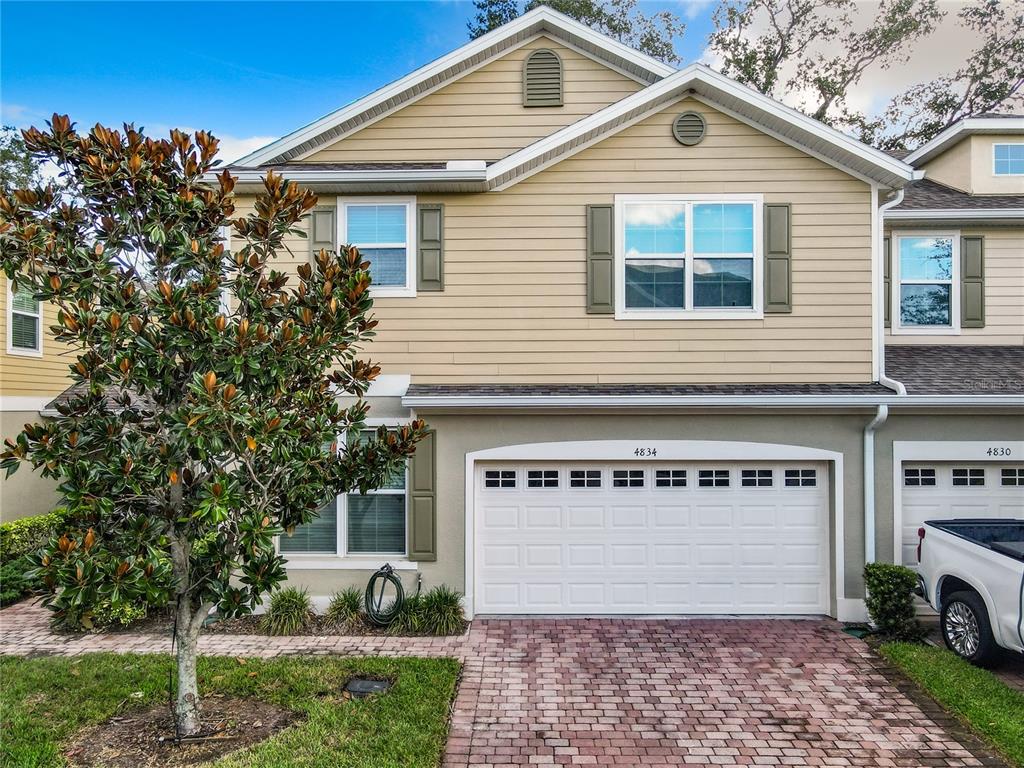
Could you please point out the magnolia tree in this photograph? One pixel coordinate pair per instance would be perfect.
(204, 417)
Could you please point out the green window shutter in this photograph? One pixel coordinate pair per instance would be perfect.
(778, 279)
(542, 79)
(601, 259)
(423, 501)
(322, 230)
(972, 282)
(887, 280)
(430, 234)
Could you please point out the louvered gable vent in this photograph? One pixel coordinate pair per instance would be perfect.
(542, 79)
(689, 129)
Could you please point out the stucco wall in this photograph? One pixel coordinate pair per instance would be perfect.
(25, 492)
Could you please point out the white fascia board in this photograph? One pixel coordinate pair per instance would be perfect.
(718, 401)
(692, 77)
(323, 175)
(954, 133)
(551, 19)
(956, 213)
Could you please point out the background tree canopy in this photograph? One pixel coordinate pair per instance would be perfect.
(818, 50)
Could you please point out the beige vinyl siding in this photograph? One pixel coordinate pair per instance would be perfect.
(1004, 293)
(968, 166)
(28, 376)
(481, 115)
(513, 308)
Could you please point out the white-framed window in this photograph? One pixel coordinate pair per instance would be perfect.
(713, 478)
(24, 322)
(914, 477)
(1012, 476)
(670, 478)
(542, 478)
(627, 478)
(1008, 159)
(926, 282)
(688, 256)
(756, 478)
(362, 525)
(384, 230)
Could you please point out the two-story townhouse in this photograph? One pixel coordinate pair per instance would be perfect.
(644, 312)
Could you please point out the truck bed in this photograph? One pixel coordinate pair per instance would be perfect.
(1003, 536)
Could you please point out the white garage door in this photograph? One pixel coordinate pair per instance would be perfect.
(661, 538)
(943, 490)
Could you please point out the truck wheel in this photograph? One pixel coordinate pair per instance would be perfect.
(966, 628)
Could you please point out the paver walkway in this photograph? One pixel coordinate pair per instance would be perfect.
(632, 692)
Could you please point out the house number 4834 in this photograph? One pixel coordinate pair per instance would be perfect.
(645, 452)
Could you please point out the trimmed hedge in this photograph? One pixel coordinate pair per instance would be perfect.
(890, 601)
(22, 537)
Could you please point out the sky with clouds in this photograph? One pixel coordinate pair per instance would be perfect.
(253, 71)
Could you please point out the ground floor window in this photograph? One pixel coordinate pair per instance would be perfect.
(355, 523)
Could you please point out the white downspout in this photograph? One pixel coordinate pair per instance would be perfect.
(883, 410)
(885, 381)
(869, 481)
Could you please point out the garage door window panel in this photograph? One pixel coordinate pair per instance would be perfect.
(713, 478)
(801, 478)
(628, 478)
(500, 478)
(916, 478)
(670, 478)
(542, 478)
(1012, 476)
(585, 478)
(756, 478)
(968, 476)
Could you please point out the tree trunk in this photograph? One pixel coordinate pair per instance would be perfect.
(186, 642)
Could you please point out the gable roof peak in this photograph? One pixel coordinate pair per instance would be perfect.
(401, 92)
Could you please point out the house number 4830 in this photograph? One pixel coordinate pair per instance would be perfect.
(645, 452)
(999, 451)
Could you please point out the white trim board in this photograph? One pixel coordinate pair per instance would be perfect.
(667, 450)
(966, 451)
(964, 128)
(11, 403)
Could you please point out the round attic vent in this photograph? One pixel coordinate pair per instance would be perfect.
(689, 129)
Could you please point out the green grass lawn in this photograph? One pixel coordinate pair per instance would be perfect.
(45, 701)
(990, 707)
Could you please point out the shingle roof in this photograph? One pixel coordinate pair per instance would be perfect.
(955, 370)
(626, 390)
(111, 396)
(927, 195)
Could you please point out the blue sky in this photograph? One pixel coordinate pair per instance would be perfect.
(245, 70)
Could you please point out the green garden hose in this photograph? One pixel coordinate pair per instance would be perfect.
(380, 614)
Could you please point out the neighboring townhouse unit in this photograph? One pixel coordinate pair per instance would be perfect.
(646, 313)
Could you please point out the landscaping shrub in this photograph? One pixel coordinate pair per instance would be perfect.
(120, 615)
(290, 611)
(21, 537)
(890, 601)
(14, 583)
(346, 607)
(436, 612)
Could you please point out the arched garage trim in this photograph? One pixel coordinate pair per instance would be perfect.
(664, 450)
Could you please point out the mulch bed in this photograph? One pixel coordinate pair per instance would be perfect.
(146, 739)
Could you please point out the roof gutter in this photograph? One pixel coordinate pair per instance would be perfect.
(337, 176)
(715, 401)
(945, 214)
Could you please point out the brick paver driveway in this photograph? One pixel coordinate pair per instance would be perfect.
(634, 692)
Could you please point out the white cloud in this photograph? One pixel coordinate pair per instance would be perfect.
(653, 214)
(694, 8)
(233, 148)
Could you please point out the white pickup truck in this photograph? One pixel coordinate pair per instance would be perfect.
(972, 573)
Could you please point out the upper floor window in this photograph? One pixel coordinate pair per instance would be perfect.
(688, 257)
(1008, 159)
(24, 322)
(927, 269)
(384, 230)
